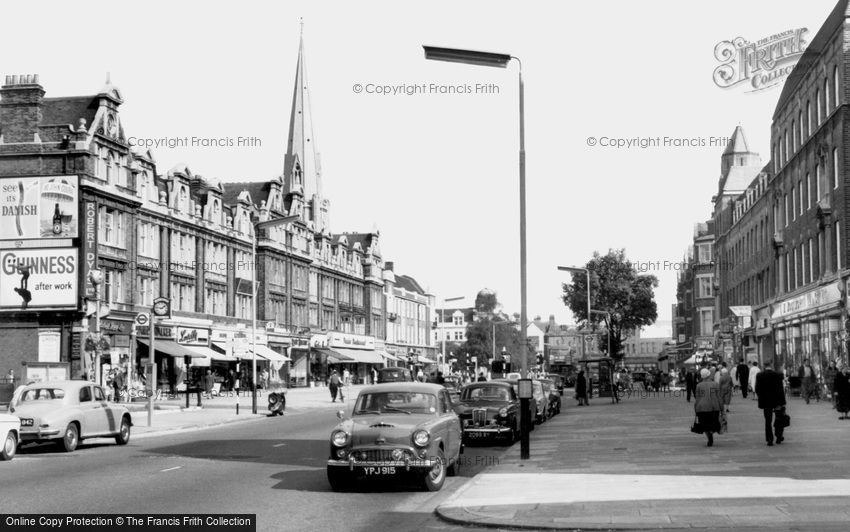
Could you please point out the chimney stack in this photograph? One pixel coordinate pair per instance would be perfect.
(21, 107)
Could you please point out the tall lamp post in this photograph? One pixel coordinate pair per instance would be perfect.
(96, 279)
(585, 271)
(608, 319)
(255, 227)
(472, 57)
(442, 332)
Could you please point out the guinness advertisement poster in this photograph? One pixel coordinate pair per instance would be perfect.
(38, 207)
(38, 278)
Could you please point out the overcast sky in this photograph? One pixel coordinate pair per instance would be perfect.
(437, 173)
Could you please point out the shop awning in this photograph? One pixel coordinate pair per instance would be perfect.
(333, 356)
(362, 356)
(269, 354)
(211, 353)
(388, 356)
(172, 348)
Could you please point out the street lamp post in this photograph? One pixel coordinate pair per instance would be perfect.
(608, 319)
(442, 332)
(472, 57)
(96, 278)
(586, 271)
(254, 228)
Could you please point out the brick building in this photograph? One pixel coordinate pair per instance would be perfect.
(99, 205)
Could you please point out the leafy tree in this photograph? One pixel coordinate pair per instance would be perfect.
(615, 287)
(486, 302)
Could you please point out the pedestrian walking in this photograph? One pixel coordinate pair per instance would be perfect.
(690, 384)
(829, 380)
(209, 381)
(725, 388)
(807, 375)
(346, 377)
(581, 389)
(842, 391)
(707, 406)
(117, 384)
(754, 371)
(771, 397)
(482, 377)
(374, 376)
(743, 372)
(333, 385)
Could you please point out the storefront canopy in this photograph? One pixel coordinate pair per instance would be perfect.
(361, 356)
(212, 354)
(333, 356)
(388, 356)
(172, 348)
(269, 354)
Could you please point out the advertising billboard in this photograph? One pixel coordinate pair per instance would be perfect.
(39, 207)
(33, 279)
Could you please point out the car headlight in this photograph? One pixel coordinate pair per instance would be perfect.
(339, 438)
(503, 412)
(421, 438)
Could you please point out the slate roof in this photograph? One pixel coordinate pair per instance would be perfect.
(259, 191)
(408, 283)
(62, 111)
(738, 143)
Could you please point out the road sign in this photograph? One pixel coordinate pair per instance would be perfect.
(142, 318)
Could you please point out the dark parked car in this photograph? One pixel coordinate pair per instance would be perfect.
(394, 375)
(558, 380)
(533, 413)
(489, 410)
(551, 391)
(402, 429)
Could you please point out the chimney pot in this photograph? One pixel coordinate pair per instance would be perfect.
(14, 80)
(35, 78)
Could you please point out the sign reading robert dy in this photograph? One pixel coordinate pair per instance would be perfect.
(38, 278)
(38, 207)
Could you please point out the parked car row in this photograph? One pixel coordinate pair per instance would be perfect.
(63, 412)
(417, 431)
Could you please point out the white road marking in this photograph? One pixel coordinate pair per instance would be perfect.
(171, 469)
(279, 445)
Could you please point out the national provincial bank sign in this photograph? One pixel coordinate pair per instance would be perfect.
(34, 279)
(811, 300)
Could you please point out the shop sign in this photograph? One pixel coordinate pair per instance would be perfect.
(824, 295)
(120, 340)
(38, 278)
(48, 346)
(162, 331)
(38, 207)
(115, 326)
(351, 341)
(90, 247)
(193, 336)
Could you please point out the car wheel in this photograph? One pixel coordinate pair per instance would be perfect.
(435, 478)
(123, 436)
(10, 447)
(339, 479)
(71, 438)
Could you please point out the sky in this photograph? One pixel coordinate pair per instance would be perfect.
(437, 172)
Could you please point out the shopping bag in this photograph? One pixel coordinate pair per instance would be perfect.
(696, 428)
(724, 426)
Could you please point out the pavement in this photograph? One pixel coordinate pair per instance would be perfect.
(636, 465)
(170, 414)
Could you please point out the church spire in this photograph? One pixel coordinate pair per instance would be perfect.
(302, 168)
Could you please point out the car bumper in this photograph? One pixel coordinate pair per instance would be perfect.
(483, 432)
(32, 435)
(401, 465)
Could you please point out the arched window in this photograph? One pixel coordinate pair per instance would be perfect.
(110, 161)
(825, 97)
(819, 109)
(836, 94)
(184, 200)
(143, 186)
(216, 212)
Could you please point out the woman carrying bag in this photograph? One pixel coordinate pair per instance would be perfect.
(708, 406)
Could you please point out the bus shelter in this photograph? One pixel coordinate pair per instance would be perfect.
(600, 375)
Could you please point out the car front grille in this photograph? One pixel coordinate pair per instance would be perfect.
(479, 416)
(374, 455)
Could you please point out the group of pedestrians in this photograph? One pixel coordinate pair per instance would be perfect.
(713, 395)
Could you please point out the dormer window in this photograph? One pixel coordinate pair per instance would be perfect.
(216, 212)
(143, 185)
(183, 206)
(110, 161)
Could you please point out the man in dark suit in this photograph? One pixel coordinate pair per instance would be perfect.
(743, 377)
(771, 396)
(690, 384)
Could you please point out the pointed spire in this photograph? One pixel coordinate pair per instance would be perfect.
(302, 168)
(738, 143)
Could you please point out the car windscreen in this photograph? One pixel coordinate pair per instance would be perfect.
(395, 402)
(486, 393)
(42, 394)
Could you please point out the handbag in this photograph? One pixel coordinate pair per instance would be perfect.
(696, 428)
(782, 419)
(724, 426)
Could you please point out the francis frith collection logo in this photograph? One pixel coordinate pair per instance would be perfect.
(761, 64)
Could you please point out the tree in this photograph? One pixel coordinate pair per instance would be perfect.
(615, 287)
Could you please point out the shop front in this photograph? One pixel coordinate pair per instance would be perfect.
(360, 353)
(808, 326)
(181, 353)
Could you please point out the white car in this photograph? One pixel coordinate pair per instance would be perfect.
(68, 412)
(10, 432)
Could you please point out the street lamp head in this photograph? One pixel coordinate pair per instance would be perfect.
(96, 277)
(572, 269)
(469, 57)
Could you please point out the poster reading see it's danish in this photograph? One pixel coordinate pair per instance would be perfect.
(38, 207)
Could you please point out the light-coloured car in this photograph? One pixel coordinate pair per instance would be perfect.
(10, 429)
(67, 412)
(396, 430)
